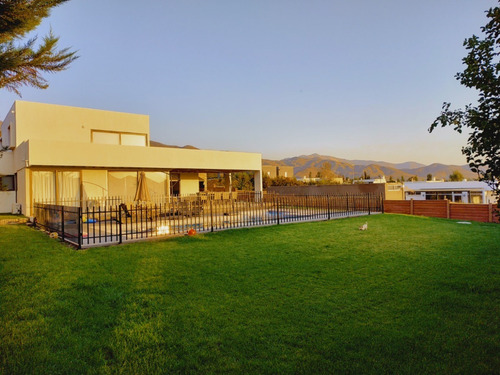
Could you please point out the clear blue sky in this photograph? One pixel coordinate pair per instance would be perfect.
(358, 79)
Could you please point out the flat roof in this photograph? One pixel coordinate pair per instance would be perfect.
(449, 185)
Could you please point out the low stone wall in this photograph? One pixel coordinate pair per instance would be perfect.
(13, 220)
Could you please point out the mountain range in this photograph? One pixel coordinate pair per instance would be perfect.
(310, 165)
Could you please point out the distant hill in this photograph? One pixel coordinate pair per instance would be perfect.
(159, 144)
(305, 165)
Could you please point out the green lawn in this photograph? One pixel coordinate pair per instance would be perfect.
(411, 295)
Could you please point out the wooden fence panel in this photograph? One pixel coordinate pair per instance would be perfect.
(430, 208)
(475, 212)
(397, 207)
(444, 209)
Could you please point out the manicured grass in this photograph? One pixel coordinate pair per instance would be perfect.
(411, 295)
(8, 216)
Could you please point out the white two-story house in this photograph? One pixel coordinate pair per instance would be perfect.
(67, 155)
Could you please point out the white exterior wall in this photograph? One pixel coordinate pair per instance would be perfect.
(7, 163)
(7, 199)
(24, 191)
(9, 135)
(48, 122)
(189, 183)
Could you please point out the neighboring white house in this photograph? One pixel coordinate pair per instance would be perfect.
(459, 191)
(379, 180)
(69, 154)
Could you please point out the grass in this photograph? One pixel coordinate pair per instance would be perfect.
(410, 295)
(7, 216)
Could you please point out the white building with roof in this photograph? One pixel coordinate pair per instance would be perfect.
(454, 191)
(71, 155)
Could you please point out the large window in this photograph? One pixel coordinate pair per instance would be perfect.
(7, 183)
(156, 182)
(56, 187)
(68, 187)
(44, 186)
(106, 138)
(133, 139)
(122, 184)
(118, 138)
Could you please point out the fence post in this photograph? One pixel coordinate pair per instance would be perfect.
(79, 227)
(369, 208)
(381, 198)
(62, 223)
(211, 216)
(277, 211)
(120, 222)
(411, 206)
(328, 205)
(447, 209)
(490, 212)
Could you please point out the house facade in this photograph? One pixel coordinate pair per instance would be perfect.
(274, 171)
(70, 155)
(454, 191)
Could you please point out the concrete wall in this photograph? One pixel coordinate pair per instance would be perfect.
(67, 154)
(269, 170)
(9, 135)
(394, 191)
(7, 163)
(7, 198)
(24, 191)
(70, 124)
(328, 189)
(273, 171)
(189, 183)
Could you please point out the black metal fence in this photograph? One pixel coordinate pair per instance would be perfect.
(118, 223)
(63, 220)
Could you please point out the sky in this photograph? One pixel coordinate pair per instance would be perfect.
(357, 79)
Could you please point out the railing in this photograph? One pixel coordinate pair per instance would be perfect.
(118, 223)
(64, 220)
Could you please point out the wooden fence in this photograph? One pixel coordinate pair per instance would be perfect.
(443, 208)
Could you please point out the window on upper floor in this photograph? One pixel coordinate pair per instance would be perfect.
(133, 139)
(106, 138)
(5, 139)
(118, 138)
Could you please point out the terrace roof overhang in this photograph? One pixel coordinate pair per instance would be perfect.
(44, 153)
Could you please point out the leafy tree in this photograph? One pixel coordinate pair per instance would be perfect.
(284, 181)
(22, 64)
(266, 181)
(482, 72)
(456, 176)
(243, 181)
(429, 177)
